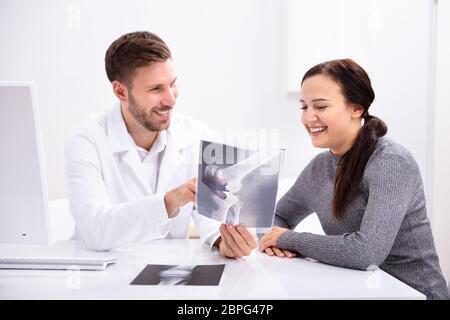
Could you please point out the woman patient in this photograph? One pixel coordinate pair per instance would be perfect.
(366, 189)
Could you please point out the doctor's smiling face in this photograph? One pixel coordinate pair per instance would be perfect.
(329, 119)
(152, 95)
(139, 66)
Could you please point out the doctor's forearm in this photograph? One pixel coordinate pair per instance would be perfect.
(171, 203)
(109, 226)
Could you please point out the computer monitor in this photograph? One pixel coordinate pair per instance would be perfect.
(24, 217)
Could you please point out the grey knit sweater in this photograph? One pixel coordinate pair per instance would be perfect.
(385, 225)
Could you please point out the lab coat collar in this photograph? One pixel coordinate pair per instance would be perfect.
(121, 141)
(158, 146)
(119, 138)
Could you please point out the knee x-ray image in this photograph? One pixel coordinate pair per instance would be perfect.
(180, 275)
(237, 186)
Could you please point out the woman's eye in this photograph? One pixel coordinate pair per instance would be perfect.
(320, 107)
(303, 107)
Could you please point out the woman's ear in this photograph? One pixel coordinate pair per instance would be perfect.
(357, 111)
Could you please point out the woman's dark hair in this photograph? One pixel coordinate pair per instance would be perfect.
(356, 88)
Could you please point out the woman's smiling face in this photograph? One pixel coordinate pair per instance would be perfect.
(329, 119)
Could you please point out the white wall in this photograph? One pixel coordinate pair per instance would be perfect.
(441, 168)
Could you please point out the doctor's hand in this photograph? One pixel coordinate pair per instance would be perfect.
(268, 243)
(178, 197)
(235, 241)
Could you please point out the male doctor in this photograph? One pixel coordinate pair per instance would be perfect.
(130, 172)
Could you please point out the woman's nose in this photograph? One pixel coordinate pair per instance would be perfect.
(309, 116)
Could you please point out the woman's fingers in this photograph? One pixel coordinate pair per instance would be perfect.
(269, 251)
(266, 241)
(278, 252)
(289, 254)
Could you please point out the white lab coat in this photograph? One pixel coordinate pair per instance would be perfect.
(111, 203)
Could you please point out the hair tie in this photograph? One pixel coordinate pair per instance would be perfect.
(365, 115)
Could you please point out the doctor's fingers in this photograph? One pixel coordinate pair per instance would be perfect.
(244, 246)
(183, 194)
(188, 194)
(191, 184)
(231, 243)
(225, 249)
(248, 237)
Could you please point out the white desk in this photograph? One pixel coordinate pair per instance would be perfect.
(255, 277)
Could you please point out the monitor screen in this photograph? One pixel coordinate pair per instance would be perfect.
(23, 189)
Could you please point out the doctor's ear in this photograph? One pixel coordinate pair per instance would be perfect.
(120, 90)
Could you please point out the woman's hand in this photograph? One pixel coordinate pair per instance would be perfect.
(268, 243)
(274, 251)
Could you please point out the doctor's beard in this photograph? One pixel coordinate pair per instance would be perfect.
(148, 121)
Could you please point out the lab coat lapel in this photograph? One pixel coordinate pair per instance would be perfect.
(170, 164)
(132, 160)
(123, 146)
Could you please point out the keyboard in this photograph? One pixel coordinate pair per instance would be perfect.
(55, 263)
(65, 256)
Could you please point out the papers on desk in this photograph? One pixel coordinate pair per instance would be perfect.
(238, 186)
(176, 275)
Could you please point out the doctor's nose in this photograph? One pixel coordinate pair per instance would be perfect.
(170, 97)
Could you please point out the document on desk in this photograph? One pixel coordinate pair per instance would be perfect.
(238, 186)
(180, 275)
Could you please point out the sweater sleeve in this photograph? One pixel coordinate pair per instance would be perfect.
(391, 180)
(292, 208)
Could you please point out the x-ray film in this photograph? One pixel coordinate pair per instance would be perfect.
(238, 186)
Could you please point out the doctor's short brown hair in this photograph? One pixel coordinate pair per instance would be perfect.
(131, 51)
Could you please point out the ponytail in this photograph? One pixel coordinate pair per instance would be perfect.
(353, 162)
